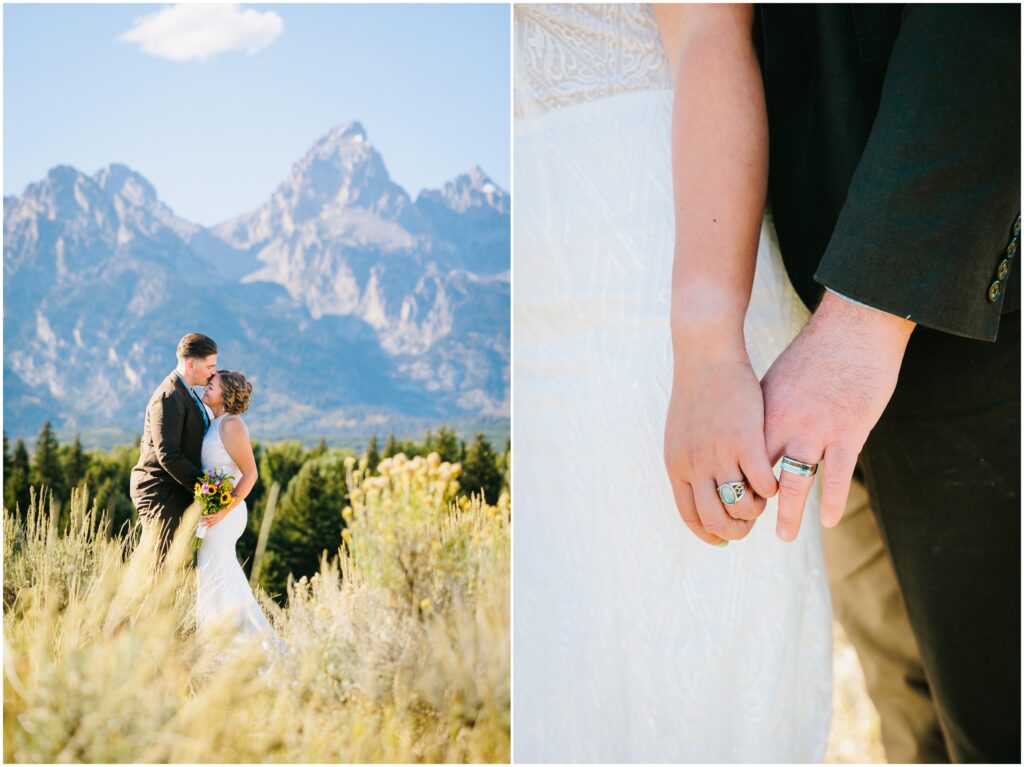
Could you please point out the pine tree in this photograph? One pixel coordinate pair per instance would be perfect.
(277, 463)
(480, 470)
(447, 445)
(320, 449)
(308, 522)
(372, 455)
(17, 479)
(46, 469)
(391, 447)
(76, 463)
(280, 462)
(109, 478)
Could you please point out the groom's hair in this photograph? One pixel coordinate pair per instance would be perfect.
(196, 346)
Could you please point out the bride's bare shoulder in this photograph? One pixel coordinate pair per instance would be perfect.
(234, 426)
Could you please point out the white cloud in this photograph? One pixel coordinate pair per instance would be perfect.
(198, 31)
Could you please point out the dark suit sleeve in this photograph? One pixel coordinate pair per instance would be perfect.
(166, 418)
(930, 211)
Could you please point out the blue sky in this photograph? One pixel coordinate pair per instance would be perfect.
(430, 83)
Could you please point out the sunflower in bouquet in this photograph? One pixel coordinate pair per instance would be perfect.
(214, 491)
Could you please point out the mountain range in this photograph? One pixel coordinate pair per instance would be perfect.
(352, 308)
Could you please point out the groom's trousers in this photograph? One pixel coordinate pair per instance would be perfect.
(867, 602)
(942, 467)
(160, 518)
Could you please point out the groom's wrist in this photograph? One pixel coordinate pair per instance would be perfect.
(846, 315)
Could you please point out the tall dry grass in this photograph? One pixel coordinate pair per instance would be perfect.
(399, 647)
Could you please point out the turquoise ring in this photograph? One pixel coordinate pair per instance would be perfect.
(731, 492)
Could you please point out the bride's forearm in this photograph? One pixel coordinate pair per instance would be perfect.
(245, 485)
(719, 170)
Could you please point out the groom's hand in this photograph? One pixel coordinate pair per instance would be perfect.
(822, 397)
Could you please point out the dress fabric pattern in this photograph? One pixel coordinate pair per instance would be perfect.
(569, 53)
(223, 591)
(634, 641)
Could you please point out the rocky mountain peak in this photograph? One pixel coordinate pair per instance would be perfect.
(341, 179)
(342, 169)
(415, 299)
(473, 189)
(120, 180)
(116, 204)
(346, 145)
(66, 194)
(351, 131)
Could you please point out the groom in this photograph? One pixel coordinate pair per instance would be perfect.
(895, 185)
(163, 480)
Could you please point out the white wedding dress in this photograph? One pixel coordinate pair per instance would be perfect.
(634, 641)
(223, 591)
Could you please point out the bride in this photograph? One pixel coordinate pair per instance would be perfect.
(640, 235)
(223, 591)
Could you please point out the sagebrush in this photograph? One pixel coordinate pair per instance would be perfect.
(399, 646)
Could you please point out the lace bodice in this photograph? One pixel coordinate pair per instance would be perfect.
(568, 53)
(215, 455)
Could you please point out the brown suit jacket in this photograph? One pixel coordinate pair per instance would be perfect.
(163, 480)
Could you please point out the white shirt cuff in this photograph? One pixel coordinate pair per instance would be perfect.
(850, 299)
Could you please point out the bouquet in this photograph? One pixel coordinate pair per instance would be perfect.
(214, 492)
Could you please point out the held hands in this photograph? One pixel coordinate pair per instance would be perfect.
(818, 402)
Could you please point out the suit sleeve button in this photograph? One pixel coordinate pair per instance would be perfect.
(1016, 226)
(1004, 269)
(1011, 249)
(995, 290)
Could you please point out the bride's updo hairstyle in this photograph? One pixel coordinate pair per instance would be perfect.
(236, 391)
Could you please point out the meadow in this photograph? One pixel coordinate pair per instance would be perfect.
(398, 646)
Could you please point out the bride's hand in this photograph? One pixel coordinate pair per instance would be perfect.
(212, 519)
(714, 433)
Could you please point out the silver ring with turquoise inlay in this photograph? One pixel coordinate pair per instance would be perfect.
(731, 492)
(799, 467)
